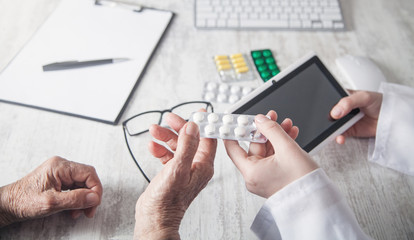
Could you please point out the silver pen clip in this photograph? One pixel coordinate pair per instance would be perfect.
(114, 3)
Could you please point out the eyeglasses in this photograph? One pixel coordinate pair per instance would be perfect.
(138, 125)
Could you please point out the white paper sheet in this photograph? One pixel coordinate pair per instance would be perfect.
(80, 30)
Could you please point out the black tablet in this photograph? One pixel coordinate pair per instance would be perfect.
(305, 92)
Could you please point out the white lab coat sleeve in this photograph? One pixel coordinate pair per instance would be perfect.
(393, 145)
(308, 208)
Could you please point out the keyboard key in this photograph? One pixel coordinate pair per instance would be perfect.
(221, 23)
(263, 23)
(204, 8)
(253, 16)
(258, 9)
(331, 16)
(339, 25)
(295, 24)
(264, 16)
(332, 10)
(317, 25)
(294, 16)
(304, 16)
(244, 15)
(207, 15)
(228, 9)
(238, 9)
(307, 24)
(284, 16)
(327, 24)
(232, 23)
(211, 23)
(234, 16)
(274, 16)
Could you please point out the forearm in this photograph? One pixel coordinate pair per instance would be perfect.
(164, 234)
(6, 216)
(157, 222)
(147, 229)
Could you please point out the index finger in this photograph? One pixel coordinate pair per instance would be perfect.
(81, 173)
(86, 174)
(274, 132)
(260, 149)
(175, 121)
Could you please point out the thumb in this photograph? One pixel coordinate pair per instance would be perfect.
(358, 99)
(76, 199)
(187, 145)
(273, 132)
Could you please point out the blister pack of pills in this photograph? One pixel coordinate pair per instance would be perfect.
(224, 93)
(234, 67)
(227, 126)
(265, 63)
(241, 67)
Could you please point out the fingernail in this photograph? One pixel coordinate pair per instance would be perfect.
(261, 118)
(92, 199)
(192, 129)
(336, 112)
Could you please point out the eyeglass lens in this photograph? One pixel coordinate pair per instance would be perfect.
(141, 123)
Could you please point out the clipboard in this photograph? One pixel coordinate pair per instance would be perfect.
(82, 30)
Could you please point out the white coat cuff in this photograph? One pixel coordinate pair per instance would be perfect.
(392, 146)
(308, 208)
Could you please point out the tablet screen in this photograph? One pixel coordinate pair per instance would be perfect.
(306, 96)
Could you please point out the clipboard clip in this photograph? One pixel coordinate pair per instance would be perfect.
(114, 3)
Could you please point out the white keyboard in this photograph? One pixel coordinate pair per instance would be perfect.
(314, 15)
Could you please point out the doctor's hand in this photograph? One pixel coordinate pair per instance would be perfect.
(370, 105)
(267, 168)
(54, 186)
(187, 170)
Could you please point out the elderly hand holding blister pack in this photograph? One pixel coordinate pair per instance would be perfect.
(160, 209)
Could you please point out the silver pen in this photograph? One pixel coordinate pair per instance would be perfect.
(80, 64)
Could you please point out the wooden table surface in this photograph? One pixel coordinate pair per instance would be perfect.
(382, 199)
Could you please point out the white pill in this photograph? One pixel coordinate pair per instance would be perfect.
(233, 98)
(240, 132)
(209, 96)
(247, 90)
(222, 98)
(223, 88)
(198, 117)
(209, 129)
(211, 86)
(213, 117)
(227, 119)
(235, 89)
(224, 131)
(242, 120)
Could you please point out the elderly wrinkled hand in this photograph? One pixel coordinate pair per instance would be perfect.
(370, 105)
(54, 186)
(187, 170)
